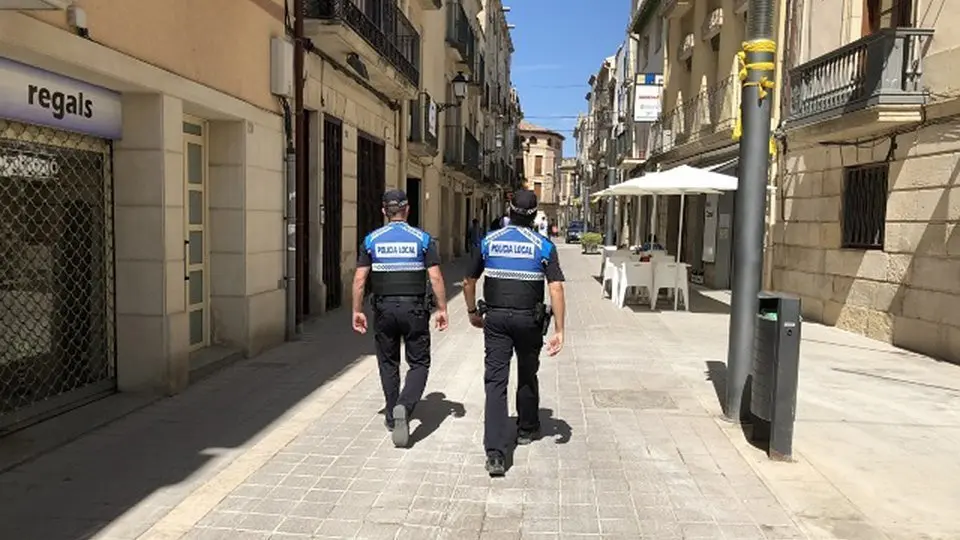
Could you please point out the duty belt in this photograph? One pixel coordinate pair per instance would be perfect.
(542, 313)
(400, 298)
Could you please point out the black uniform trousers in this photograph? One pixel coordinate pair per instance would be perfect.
(507, 331)
(402, 319)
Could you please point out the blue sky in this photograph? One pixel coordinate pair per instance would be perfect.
(559, 44)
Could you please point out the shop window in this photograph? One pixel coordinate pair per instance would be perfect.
(864, 209)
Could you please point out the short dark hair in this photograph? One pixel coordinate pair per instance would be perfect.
(522, 220)
(393, 210)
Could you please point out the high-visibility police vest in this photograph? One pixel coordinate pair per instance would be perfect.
(398, 252)
(514, 263)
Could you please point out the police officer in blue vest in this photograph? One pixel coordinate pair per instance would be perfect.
(514, 261)
(398, 259)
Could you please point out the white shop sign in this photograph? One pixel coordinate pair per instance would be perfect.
(432, 119)
(710, 222)
(36, 96)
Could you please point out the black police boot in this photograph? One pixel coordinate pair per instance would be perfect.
(401, 427)
(527, 436)
(496, 464)
(388, 423)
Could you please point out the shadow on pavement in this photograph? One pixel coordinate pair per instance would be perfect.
(699, 303)
(717, 375)
(431, 413)
(550, 427)
(145, 463)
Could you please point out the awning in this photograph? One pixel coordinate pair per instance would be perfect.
(682, 180)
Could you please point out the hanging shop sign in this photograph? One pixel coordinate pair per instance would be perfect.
(36, 96)
(647, 96)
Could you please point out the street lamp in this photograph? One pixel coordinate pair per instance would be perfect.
(459, 84)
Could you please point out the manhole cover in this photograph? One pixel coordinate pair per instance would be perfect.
(633, 399)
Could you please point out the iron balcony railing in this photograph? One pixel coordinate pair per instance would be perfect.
(481, 76)
(420, 121)
(471, 154)
(711, 110)
(883, 68)
(633, 143)
(382, 25)
(460, 32)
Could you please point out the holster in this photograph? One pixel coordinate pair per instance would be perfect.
(482, 308)
(542, 315)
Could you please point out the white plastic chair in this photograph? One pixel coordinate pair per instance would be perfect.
(635, 275)
(605, 253)
(672, 276)
(611, 274)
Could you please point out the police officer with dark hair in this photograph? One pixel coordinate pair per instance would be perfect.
(514, 261)
(398, 258)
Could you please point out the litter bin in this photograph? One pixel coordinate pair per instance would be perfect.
(774, 373)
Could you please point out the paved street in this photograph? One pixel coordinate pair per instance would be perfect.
(291, 445)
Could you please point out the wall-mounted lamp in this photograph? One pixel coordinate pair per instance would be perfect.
(459, 84)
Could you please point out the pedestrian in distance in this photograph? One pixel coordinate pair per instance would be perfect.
(398, 258)
(514, 262)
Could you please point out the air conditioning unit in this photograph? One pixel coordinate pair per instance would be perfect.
(34, 4)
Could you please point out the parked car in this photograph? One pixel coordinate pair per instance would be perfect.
(575, 230)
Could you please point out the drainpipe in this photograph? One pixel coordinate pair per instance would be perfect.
(784, 11)
(299, 198)
(290, 270)
(404, 117)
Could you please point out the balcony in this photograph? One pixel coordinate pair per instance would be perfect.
(701, 123)
(385, 41)
(504, 173)
(461, 39)
(867, 86)
(674, 9)
(422, 140)
(633, 146)
(685, 51)
(461, 152)
(481, 71)
(453, 145)
(712, 25)
(471, 155)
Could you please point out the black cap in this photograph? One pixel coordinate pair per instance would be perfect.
(394, 197)
(524, 202)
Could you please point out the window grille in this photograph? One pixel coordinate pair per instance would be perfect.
(864, 209)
